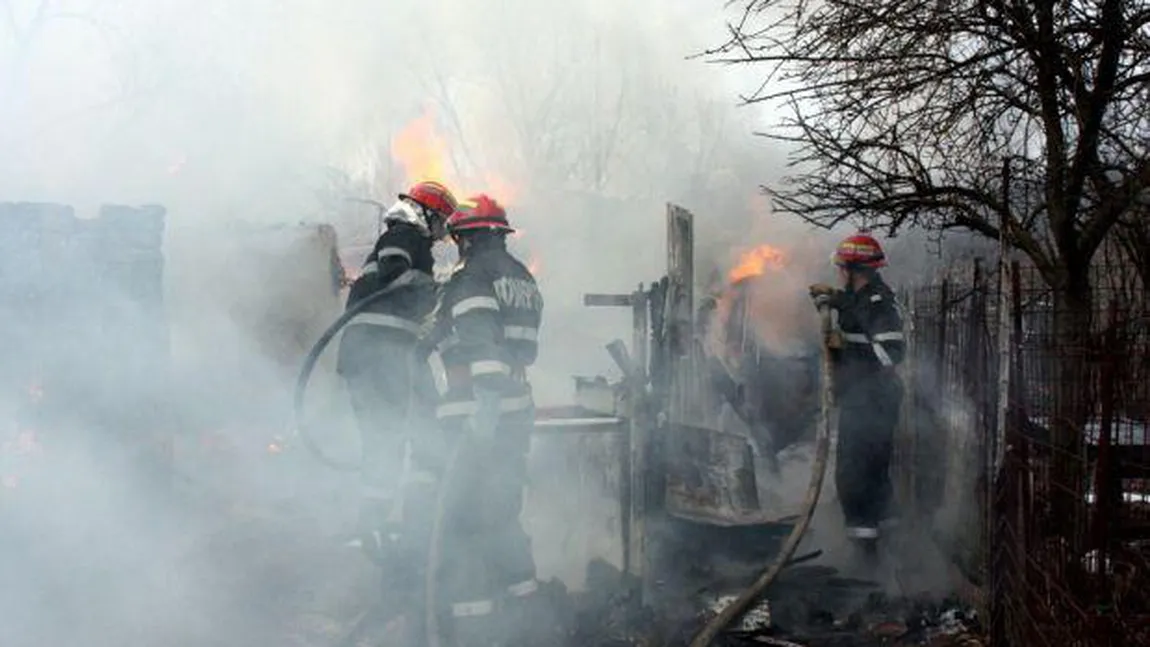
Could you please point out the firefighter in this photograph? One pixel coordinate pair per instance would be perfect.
(488, 321)
(389, 381)
(867, 389)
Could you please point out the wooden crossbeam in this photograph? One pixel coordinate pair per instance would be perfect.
(608, 300)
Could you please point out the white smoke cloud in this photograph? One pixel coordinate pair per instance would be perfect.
(263, 113)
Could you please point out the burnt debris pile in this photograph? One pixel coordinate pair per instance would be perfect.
(810, 605)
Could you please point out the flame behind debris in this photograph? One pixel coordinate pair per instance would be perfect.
(421, 151)
(756, 262)
(774, 313)
(425, 154)
(499, 188)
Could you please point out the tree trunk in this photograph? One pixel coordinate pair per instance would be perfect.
(1070, 356)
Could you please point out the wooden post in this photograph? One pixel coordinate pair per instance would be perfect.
(633, 459)
(635, 550)
(681, 313)
(975, 387)
(909, 462)
(1006, 344)
(641, 336)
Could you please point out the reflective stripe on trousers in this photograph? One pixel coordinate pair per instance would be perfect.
(859, 338)
(523, 589)
(490, 367)
(473, 608)
(862, 532)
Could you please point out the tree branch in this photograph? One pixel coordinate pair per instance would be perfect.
(1114, 206)
(901, 113)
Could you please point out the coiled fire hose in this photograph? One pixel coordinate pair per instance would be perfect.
(739, 606)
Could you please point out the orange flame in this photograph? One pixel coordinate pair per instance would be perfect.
(420, 150)
(756, 262)
(425, 154)
(500, 189)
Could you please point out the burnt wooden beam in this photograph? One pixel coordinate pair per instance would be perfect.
(608, 300)
(633, 497)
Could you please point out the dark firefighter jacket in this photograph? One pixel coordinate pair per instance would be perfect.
(488, 327)
(872, 335)
(401, 258)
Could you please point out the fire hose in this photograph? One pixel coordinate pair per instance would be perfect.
(818, 470)
(309, 363)
(313, 447)
(435, 548)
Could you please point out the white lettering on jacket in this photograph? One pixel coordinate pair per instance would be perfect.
(518, 293)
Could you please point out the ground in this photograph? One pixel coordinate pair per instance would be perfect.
(201, 566)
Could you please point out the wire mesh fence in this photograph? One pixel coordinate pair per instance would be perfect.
(1026, 442)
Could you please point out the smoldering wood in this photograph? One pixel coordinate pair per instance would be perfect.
(82, 299)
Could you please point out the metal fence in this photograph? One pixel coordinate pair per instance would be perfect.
(1030, 455)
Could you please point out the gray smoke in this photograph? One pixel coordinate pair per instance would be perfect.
(247, 119)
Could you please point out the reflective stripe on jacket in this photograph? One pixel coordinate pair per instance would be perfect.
(488, 320)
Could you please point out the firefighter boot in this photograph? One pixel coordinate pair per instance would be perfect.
(530, 616)
(866, 556)
(400, 589)
(478, 624)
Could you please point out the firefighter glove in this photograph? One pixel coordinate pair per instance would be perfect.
(484, 421)
(822, 294)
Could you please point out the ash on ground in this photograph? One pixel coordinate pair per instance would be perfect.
(808, 605)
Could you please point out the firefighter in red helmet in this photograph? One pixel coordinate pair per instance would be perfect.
(867, 389)
(389, 381)
(488, 321)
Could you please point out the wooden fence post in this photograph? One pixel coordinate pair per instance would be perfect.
(909, 467)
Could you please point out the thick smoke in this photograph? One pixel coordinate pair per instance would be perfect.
(245, 119)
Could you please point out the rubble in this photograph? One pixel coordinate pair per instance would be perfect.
(809, 606)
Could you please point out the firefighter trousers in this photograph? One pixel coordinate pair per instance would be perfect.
(392, 398)
(392, 394)
(488, 571)
(868, 416)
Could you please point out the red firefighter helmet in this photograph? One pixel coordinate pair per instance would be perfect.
(479, 213)
(859, 250)
(432, 195)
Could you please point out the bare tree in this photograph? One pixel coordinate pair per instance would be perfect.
(950, 113)
(1133, 235)
(905, 112)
